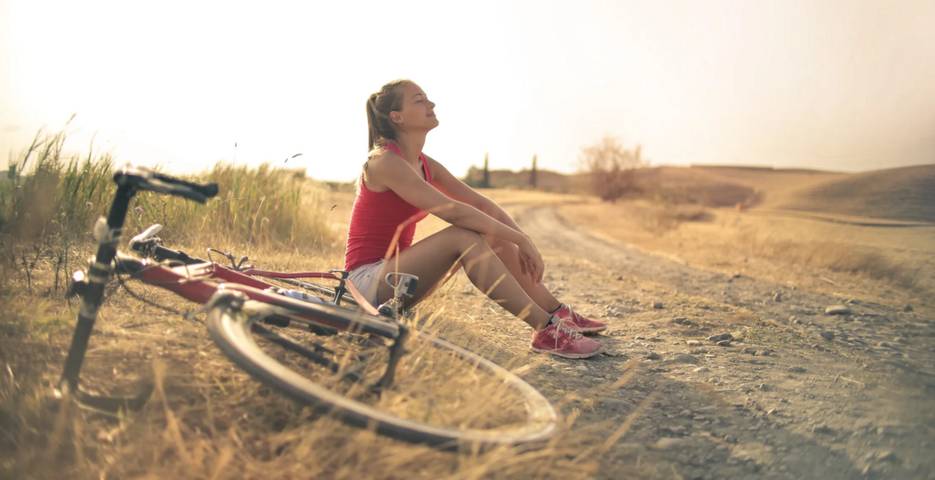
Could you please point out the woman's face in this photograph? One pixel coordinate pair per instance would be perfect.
(417, 111)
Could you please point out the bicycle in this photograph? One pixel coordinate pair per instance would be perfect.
(332, 357)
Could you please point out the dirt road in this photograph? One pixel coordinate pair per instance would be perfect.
(795, 392)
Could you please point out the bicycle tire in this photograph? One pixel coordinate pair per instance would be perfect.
(232, 330)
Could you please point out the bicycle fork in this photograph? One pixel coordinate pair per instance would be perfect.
(90, 288)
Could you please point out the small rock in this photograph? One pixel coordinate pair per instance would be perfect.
(764, 352)
(657, 305)
(749, 350)
(666, 443)
(793, 319)
(653, 356)
(619, 277)
(797, 369)
(676, 429)
(777, 297)
(685, 413)
(701, 370)
(886, 456)
(698, 351)
(681, 321)
(822, 429)
(614, 353)
(765, 387)
(837, 310)
(693, 343)
(827, 335)
(772, 411)
(723, 343)
(685, 358)
(907, 308)
(718, 338)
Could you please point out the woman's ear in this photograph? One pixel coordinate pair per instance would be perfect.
(396, 117)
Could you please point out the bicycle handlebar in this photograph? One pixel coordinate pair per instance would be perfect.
(144, 179)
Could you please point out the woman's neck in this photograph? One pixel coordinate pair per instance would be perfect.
(410, 145)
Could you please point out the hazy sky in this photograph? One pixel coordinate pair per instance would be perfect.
(842, 85)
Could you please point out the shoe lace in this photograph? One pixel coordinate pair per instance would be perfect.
(561, 326)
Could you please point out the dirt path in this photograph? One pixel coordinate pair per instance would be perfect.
(797, 393)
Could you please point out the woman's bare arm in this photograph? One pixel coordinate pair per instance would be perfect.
(460, 191)
(392, 171)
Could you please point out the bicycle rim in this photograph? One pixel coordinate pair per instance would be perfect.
(447, 416)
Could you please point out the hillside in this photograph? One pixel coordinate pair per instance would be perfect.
(906, 193)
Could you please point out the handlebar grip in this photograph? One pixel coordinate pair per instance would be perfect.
(207, 190)
(198, 193)
(145, 179)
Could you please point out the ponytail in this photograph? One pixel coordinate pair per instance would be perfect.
(379, 105)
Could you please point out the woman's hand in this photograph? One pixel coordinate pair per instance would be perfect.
(530, 260)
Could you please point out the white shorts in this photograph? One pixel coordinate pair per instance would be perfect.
(365, 279)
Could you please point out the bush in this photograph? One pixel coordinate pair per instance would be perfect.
(611, 168)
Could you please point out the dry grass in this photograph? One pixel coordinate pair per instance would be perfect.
(49, 200)
(828, 255)
(787, 248)
(207, 418)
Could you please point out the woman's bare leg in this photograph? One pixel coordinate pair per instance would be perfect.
(509, 255)
(434, 256)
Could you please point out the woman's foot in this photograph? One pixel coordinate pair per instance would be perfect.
(560, 338)
(580, 323)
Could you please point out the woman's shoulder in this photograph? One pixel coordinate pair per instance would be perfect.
(378, 161)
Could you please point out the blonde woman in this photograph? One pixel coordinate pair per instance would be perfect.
(399, 185)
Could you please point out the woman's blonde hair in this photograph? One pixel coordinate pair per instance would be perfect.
(389, 98)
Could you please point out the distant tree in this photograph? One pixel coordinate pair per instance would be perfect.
(532, 173)
(611, 168)
(485, 183)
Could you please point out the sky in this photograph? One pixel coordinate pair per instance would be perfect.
(837, 85)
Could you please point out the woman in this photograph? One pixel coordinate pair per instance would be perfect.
(400, 185)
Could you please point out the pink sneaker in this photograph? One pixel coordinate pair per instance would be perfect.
(561, 339)
(582, 324)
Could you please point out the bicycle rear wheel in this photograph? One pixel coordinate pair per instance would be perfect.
(444, 396)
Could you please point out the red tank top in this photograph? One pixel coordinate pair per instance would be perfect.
(375, 218)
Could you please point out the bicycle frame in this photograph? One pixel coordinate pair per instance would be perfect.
(200, 282)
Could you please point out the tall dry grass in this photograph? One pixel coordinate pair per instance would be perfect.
(49, 200)
(829, 255)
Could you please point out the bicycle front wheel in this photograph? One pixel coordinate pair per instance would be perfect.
(443, 395)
